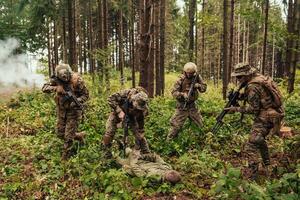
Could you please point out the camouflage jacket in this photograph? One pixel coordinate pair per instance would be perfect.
(259, 100)
(183, 85)
(144, 165)
(118, 100)
(77, 86)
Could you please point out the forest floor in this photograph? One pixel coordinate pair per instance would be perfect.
(212, 166)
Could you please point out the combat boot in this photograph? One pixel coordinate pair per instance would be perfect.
(144, 146)
(268, 169)
(68, 151)
(173, 134)
(106, 151)
(253, 171)
(80, 137)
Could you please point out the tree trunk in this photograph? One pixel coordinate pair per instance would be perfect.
(231, 39)
(162, 45)
(289, 42)
(71, 33)
(151, 53)
(295, 57)
(192, 6)
(225, 48)
(105, 43)
(132, 43)
(145, 40)
(120, 39)
(264, 67)
(203, 39)
(157, 52)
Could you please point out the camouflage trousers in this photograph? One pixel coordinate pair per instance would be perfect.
(257, 146)
(180, 117)
(111, 127)
(67, 124)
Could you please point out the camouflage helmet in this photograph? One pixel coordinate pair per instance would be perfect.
(63, 72)
(243, 69)
(172, 176)
(190, 67)
(140, 100)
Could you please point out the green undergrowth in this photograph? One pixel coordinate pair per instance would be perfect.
(31, 165)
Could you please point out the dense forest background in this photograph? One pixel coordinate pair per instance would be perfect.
(153, 37)
(118, 44)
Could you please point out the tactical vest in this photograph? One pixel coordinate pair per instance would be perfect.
(75, 89)
(271, 97)
(186, 85)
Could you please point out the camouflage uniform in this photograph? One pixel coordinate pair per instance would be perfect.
(181, 88)
(148, 165)
(135, 113)
(268, 116)
(68, 115)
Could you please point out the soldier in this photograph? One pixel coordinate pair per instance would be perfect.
(148, 165)
(265, 102)
(133, 103)
(65, 83)
(186, 107)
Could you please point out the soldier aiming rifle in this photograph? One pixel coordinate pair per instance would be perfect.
(71, 94)
(185, 91)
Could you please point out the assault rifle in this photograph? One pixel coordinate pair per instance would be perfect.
(69, 94)
(126, 127)
(186, 101)
(233, 98)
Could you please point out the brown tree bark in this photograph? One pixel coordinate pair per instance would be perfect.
(230, 61)
(225, 48)
(264, 67)
(132, 42)
(71, 34)
(105, 42)
(151, 50)
(120, 41)
(162, 45)
(157, 50)
(145, 11)
(192, 6)
(295, 57)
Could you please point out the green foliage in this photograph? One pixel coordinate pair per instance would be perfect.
(31, 165)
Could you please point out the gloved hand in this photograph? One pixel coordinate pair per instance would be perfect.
(121, 115)
(232, 109)
(197, 85)
(60, 89)
(201, 87)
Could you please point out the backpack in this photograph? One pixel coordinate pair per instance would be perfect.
(271, 87)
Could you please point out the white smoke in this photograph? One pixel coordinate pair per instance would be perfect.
(14, 68)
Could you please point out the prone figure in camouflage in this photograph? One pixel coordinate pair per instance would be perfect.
(68, 113)
(133, 103)
(148, 165)
(265, 103)
(180, 92)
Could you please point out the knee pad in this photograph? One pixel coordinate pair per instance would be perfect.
(256, 138)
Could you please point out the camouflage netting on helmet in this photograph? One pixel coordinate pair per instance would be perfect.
(190, 67)
(243, 69)
(140, 100)
(63, 72)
